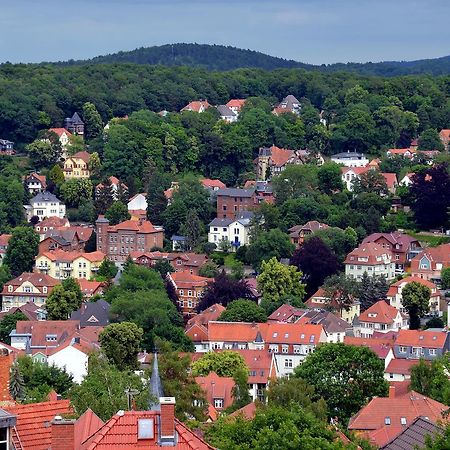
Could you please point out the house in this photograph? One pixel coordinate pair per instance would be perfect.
(271, 161)
(213, 185)
(287, 314)
(391, 181)
(381, 347)
(4, 240)
(179, 243)
(350, 159)
(190, 262)
(407, 180)
(77, 166)
(234, 231)
(369, 258)
(236, 105)
(320, 300)
(394, 294)
(27, 287)
(289, 342)
(43, 205)
(65, 238)
(263, 191)
(74, 124)
(119, 241)
(90, 288)
(288, 104)
(298, 233)
(430, 262)
(227, 114)
(197, 106)
(189, 289)
(35, 183)
(444, 135)
(6, 147)
(7, 426)
(408, 153)
(60, 264)
(383, 418)
(351, 173)
(138, 203)
(379, 317)
(418, 344)
(231, 201)
(403, 247)
(399, 369)
(29, 309)
(50, 223)
(116, 185)
(218, 390)
(63, 137)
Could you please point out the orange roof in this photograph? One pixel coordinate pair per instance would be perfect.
(61, 255)
(394, 288)
(143, 226)
(217, 387)
(186, 279)
(439, 254)
(445, 133)
(4, 239)
(197, 333)
(196, 106)
(209, 314)
(236, 103)
(209, 183)
(280, 156)
(247, 412)
(33, 422)
(86, 425)
(379, 312)
(416, 338)
(41, 178)
(89, 287)
(373, 252)
(401, 151)
(85, 156)
(121, 432)
(60, 131)
(391, 179)
(400, 366)
(379, 346)
(51, 222)
(355, 170)
(38, 280)
(114, 182)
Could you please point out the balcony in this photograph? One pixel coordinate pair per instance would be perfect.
(67, 268)
(94, 269)
(235, 243)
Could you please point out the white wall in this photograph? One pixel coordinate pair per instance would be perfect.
(74, 361)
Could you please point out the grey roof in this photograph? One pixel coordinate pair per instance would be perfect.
(265, 151)
(330, 322)
(348, 155)
(224, 111)
(236, 192)
(413, 436)
(217, 222)
(5, 142)
(99, 309)
(44, 197)
(102, 220)
(258, 337)
(76, 119)
(155, 386)
(178, 238)
(6, 419)
(244, 214)
(264, 186)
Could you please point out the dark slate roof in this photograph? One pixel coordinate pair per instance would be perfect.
(236, 192)
(413, 436)
(99, 309)
(225, 111)
(348, 155)
(217, 222)
(76, 119)
(102, 219)
(244, 214)
(265, 151)
(330, 322)
(178, 238)
(44, 197)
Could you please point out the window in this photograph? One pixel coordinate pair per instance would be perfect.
(218, 403)
(10, 288)
(224, 229)
(190, 304)
(288, 363)
(387, 420)
(189, 293)
(402, 350)
(403, 420)
(297, 349)
(181, 292)
(285, 348)
(432, 351)
(215, 228)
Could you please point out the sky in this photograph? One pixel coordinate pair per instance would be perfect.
(311, 31)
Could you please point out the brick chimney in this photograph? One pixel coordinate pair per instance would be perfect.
(167, 422)
(63, 434)
(391, 391)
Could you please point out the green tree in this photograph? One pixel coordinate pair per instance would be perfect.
(8, 323)
(121, 343)
(345, 376)
(107, 269)
(117, 213)
(61, 303)
(16, 383)
(76, 144)
(71, 284)
(445, 278)
(75, 190)
(416, 300)
(243, 310)
(22, 249)
(56, 175)
(163, 267)
(277, 280)
(371, 289)
(223, 364)
(103, 389)
(5, 275)
(330, 178)
(92, 121)
(340, 242)
(45, 152)
(240, 394)
(371, 181)
(192, 229)
(156, 199)
(340, 291)
(209, 270)
(104, 197)
(430, 140)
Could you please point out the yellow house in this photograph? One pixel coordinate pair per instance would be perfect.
(77, 165)
(60, 264)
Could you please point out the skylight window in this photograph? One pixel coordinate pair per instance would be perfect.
(145, 429)
(387, 420)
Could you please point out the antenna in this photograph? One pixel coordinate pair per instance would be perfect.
(129, 393)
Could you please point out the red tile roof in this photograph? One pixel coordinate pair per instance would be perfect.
(88, 287)
(445, 133)
(417, 338)
(85, 156)
(61, 255)
(51, 222)
(185, 279)
(379, 312)
(247, 412)
(400, 366)
(280, 156)
(379, 346)
(394, 238)
(143, 226)
(285, 312)
(217, 387)
(121, 432)
(373, 252)
(391, 179)
(439, 254)
(236, 103)
(401, 151)
(395, 287)
(86, 425)
(206, 316)
(38, 280)
(355, 170)
(196, 106)
(33, 422)
(4, 239)
(209, 183)
(60, 131)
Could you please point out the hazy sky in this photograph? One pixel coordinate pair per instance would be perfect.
(312, 31)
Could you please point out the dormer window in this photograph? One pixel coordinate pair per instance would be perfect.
(403, 420)
(387, 420)
(10, 288)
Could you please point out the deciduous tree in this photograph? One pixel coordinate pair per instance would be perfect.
(243, 311)
(223, 363)
(117, 213)
(61, 303)
(416, 300)
(22, 249)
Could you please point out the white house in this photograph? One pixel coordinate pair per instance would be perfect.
(350, 159)
(138, 202)
(399, 369)
(45, 204)
(73, 359)
(227, 114)
(235, 231)
(406, 180)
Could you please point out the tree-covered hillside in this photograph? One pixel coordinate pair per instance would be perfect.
(220, 57)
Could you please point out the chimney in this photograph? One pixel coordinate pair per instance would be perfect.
(63, 434)
(391, 391)
(167, 422)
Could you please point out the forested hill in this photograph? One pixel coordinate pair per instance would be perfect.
(219, 57)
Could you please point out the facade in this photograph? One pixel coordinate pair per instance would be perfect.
(189, 289)
(35, 183)
(271, 161)
(64, 138)
(77, 166)
(189, 262)
(394, 294)
(119, 241)
(417, 344)
(6, 147)
(44, 205)
(138, 203)
(372, 259)
(403, 247)
(71, 358)
(298, 233)
(351, 173)
(60, 264)
(74, 124)
(232, 201)
(350, 159)
(234, 231)
(227, 114)
(430, 262)
(445, 137)
(399, 370)
(218, 390)
(28, 287)
(379, 317)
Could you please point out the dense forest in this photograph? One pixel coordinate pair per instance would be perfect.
(362, 113)
(220, 57)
